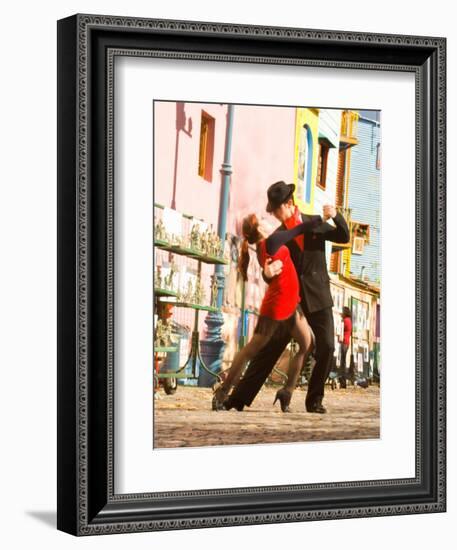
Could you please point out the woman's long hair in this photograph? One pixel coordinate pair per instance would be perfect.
(250, 230)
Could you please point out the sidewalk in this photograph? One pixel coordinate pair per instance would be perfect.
(185, 419)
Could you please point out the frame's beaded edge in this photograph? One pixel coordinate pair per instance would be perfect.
(86, 21)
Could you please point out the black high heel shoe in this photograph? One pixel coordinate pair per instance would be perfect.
(220, 395)
(284, 397)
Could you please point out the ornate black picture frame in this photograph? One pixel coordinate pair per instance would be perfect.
(87, 46)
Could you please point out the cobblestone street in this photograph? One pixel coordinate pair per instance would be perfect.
(185, 419)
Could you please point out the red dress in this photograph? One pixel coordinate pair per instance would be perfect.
(283, 294)
(347, 330)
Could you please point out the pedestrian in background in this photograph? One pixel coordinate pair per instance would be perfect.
(347, 331)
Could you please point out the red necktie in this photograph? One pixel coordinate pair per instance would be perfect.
(292, 222)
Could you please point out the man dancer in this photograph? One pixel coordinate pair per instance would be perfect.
(308, 255)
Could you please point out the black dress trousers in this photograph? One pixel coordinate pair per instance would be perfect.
(261, 366)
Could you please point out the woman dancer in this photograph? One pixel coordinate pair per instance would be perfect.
(280, 309)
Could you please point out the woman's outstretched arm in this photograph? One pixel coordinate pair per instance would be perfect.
(278, 238)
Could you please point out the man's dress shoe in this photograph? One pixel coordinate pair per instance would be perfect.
(316, 408)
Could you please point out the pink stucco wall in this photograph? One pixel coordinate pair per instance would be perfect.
(194, 195)
(262, 153)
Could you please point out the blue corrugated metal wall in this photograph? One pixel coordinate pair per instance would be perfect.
(365, 198)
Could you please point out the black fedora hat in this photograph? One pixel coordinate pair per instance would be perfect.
(278, 193)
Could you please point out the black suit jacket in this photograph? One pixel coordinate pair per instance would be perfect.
(310, 263)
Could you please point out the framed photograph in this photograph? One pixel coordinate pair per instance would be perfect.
(251, 308)
(358, 245)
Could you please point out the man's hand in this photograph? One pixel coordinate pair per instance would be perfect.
(271, 268)
(329, 212)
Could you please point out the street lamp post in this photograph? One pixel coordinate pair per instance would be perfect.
(213, 346)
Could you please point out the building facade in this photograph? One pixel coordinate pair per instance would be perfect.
(365, 203)
(317, 149)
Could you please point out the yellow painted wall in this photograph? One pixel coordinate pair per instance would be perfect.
(310, 117)
(347, 261)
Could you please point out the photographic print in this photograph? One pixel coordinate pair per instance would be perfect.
(267, 280)
(220, 274)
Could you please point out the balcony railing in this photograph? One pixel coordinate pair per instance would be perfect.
(346, 213)
(348, 134)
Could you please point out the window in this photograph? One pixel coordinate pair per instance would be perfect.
(358, 244)
(361, 230)
(322, 164)
(206, 154)
(305, 163)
